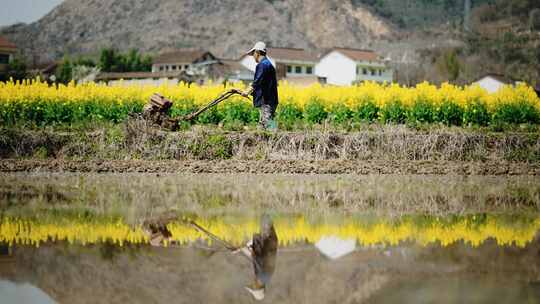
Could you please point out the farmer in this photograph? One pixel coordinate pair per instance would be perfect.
(264, 87)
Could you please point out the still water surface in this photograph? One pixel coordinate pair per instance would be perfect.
(105, 238)
(82, 258)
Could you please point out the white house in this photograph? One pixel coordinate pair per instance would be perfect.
(235, 71)
(182, 60)
(295, 62)
(345, 66)
(144, 78)
(493, 82)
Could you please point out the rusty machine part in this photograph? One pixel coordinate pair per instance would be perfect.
(156, 111)
(158, 106)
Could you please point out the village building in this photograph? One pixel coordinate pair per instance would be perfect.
(289, 62)
(493, 82)
(346, 66)
(7, 51)
(144, 78)
(183, 60)
(234, 71)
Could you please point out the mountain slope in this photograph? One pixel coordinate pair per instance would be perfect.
(225, 27)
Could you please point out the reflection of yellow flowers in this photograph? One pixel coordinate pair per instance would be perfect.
(30, 93)
(289, 230)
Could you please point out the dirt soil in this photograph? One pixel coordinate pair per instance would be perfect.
(273, 166)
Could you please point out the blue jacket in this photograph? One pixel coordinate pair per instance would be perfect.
(265, 84)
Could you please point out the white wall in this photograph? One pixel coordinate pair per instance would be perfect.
(386, 76)
(337, 68)
(142, 82)
(490, 84)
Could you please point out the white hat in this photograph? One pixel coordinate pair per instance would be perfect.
(259, 46)
(258, 294)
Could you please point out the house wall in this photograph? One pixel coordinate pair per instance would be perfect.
(490, 84)
(382, 73)
(9, 54)
(168, 67)
(337, 68)
(250, 64)
(142, 82)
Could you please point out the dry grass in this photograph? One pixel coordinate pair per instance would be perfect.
(136, 140)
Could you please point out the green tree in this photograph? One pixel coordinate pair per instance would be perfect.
(16, 68)
(534, 19)
(113, 61)
(64, 72)
(107, 59)
(452, 65)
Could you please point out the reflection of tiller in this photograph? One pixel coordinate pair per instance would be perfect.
(261, 251)
(158, 106)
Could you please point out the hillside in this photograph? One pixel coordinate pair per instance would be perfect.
(224, 27)
(424, 38)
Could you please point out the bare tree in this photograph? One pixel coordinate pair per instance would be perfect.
(467, 15)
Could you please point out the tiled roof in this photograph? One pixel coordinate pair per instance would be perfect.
(290, 54)
(234, 66)
(180, 56)
(357, 54)
(6, 44)
(498, 77)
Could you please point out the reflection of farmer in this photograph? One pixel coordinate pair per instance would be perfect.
(264, 86)
(262, 251)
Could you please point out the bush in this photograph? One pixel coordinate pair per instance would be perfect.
(450, 114)
(516, 113)
(314, 112)
(288, 115)
(422, 112)
(366, 111)
(393, 112)
(340, 114)
(239, 112)
(476, 114)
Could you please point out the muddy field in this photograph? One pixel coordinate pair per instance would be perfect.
(273, 166)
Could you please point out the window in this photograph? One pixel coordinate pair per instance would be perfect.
(372, 72)
(298, 70)
(289, 69)
(186, 67)
(174, 68)
(380, 72)
(309, 70)
(364, 71)
(4, 59)
(161, 68)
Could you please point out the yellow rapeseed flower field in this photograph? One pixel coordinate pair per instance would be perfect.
(289, 230)
(38, 101)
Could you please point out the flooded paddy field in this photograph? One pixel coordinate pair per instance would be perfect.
(132, 237)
